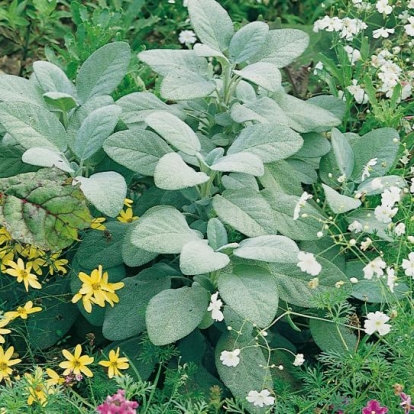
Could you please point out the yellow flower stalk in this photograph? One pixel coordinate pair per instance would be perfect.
(76, 363)
(115, 363)
(22, 311)
(22, 272)
(6, 362)
(37, 387)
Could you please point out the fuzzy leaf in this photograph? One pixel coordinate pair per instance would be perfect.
(264, 74)
(339, 203)
(51, 78)
(17, 89)
(45, 157)
(216, 233)
(61, 101)
(243, 162)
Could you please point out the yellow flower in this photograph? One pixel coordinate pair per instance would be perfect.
(37, 388)
(127, 216)
(23, 274)
(22, 311)
(6, 254)
(115, 363)
(128, 202)
(97, 223)
(57, 264)
(3, 323)
(4, 236)
(76, 363)
(6, 362)
(54, 378)
(97, 290)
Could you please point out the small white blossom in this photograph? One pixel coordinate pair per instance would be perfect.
(299, 360)
(384, 213)
(353, 280)
(375, 266)
(215, 308)
(357, 92)
(391, 278)
(382, 32)
(300, 204)
(187, 37)
(261, 398)
(410, 239)
(366, 171)
(408, 265)
(410, 5)
(409, 28)
(317, 68)
(383, 7)
(308, 263)
(230, 358)
(399, 229)
(390, 196)
(365, 244)
(412, 187)
(377, 322)
(353, 54)
(355, 226)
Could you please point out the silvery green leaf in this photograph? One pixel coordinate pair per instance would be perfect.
(228, 248)
(172, 173)
(263, 110)
(203, 50)
(314, 146)
(238, 181)
(246, 211)
(182, 85)
(33, 126)
(283, 205)
(281, 177)
(245, 92)
(211, 23)
(270, 142)
(79, 114)
(163, 229)
(216, 233)
(105, 190)
(175, 131)
(252, 292)
(304, 170)
(51, 78)
(213, 156)
(264, 74)
(247, 41)
(174, 313)
(95, 129)
(342, 150)
(17, 89)
(165, 61)
(304, 116)
(377, 185)
(383, 145)
(270, 248)
(369, 223)
(44, 157)
(197, 257)
(243, 162)
(339, 203)
(61, 101)
(334, 105)
(102, 72)
(137, 150)
(282, 47)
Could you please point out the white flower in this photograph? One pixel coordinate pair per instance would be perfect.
(365, 244)
(404, 16)
(409, 28)
(299, 360)
(383, 7)
(355, 226)
(351, 27)
(410, 5)
(353, 54)
(230, 358)
(308, 263)
(375, 266)
(410, 239)
(408, 265)
(260, 398)
(300, 204)
(384, 214)
(391, 278)
(382, 32)
(357, 92)
(215, 306)
(367, 168)
(377, 322)
(399, 229)
(412, 187)
(187, 37)
(317, 68)
(390, 196)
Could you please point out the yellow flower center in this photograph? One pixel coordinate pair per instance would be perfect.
(23, 274)
(38, 388)
(3, 366)
(21, 311)
(76, 363)
(96, 286)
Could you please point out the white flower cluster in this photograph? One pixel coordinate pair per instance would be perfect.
(386, 211)
(347, 28)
